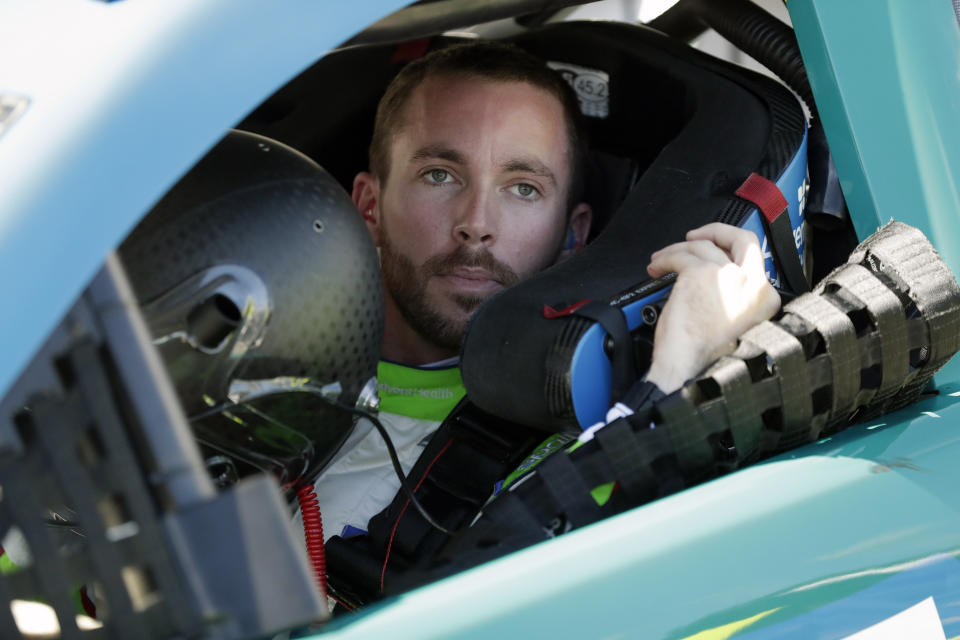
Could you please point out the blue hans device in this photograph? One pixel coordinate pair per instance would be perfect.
(590, 371)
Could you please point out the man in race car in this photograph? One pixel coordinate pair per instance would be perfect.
(475, 183)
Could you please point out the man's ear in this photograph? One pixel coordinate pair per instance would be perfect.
(577, 231)
(366, 197)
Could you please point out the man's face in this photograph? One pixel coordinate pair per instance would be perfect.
(475, 199)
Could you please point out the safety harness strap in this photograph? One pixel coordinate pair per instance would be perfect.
(786, 356)
(766, 195)
(568, 490)
(613, 321)
(629, 461)
(454, 476)
(884, 312)
(732, 379)
(836, 334)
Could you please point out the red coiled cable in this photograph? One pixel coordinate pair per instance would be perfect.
(313, 533)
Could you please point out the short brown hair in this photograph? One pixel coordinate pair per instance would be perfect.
(487, 60)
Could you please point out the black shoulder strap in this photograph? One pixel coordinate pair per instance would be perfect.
(613, 321)
(776, 223)
(453, 478)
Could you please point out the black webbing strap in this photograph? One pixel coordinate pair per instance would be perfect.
(544, 505)
(455, 475)
(613, 321)
(886, 313)
(902, 258)
(687, 435)
(642, 393)
(733, 378)
(840, 341)
(568, 490)
(629, 461)
(903, 255)
(776, 222)
(514, 526)
(786, 354)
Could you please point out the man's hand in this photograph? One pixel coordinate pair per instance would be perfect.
(720, 292)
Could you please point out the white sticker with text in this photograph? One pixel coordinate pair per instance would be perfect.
(591, 85)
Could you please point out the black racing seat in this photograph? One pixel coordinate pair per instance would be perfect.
(674, 132)
(698, 127)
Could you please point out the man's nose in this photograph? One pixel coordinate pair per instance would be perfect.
(476, 223)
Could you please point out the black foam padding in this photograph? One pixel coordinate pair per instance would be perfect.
(255, 204)
(725, 123)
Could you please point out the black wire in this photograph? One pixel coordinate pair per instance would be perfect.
(404, 485)
(65, 524)
(59, 522)
(396, 466)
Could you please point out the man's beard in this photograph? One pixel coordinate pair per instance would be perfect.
(407, 285)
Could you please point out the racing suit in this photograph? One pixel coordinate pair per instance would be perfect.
(361, 482)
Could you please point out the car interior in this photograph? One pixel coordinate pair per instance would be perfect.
(673, 133)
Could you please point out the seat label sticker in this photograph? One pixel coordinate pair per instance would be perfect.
(591, 85)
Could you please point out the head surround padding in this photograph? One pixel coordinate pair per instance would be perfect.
(256, 267)
(695, 127)
(735, 122)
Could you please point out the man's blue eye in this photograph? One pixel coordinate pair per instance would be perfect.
(439, 175)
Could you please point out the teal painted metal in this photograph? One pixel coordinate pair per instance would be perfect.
(791, 534)
(878, 593)
(884, 75)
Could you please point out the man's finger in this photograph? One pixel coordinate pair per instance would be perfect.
(703, 249)
(672, 259)
(752, 261)
(734, 240)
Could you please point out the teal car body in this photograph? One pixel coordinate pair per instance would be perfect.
(106, 105)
